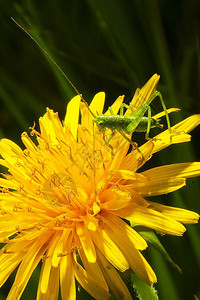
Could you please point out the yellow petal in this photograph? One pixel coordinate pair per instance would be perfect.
(67, 278)
(134, 160)
(9, 184)
(113, 199)
(93, 269)
(51, 127)
(29, 263)
(10, 151)
(143, 95)
(58, 248)
(53, 287)
(47, 266)
(89, 283)
(181, 170)
(90, 222)
(181, 215)
(116, 105)
(158, 187)
(3, 162)
(44, 276)
(152, 219)
(109, 249)
(9, 264)
(28, 143)
(141, 267)
(121, 148)
(96, 107)
(97, 103)
(169, 110)
(161, 142)
(187, 125)
(72, 115)
(126, 174)
(113, 278)
(178, 135)
(86, 242)
(124, 232)
(133, 256)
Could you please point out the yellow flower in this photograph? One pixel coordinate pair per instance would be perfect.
(66, 199)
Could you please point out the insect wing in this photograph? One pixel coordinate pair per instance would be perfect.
(137, 114)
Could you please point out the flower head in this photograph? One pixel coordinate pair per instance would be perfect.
(69, 199)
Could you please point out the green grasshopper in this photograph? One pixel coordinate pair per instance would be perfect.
(136, 122)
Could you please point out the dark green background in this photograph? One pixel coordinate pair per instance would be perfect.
(111, 46)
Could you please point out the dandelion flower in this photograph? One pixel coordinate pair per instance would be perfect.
(68, 202)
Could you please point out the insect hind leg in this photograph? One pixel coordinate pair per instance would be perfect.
(134, 144)
(148, 124)
(157, 93)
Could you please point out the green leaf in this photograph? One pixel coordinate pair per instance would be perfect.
(154, 242)
(143, 290)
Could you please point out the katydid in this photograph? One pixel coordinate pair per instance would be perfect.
(135, 122)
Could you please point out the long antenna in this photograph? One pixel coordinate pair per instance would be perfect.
(54, 62)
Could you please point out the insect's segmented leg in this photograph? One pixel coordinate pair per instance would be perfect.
(109, 139)
(121, 113)
(155, 94)
(122, 108)
(165, 109)
(148, 124)
(132, 143)
(111, 111)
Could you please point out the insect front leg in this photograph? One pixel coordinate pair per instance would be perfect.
(111, 111)
(109, 139)
(122, 108)
(121, 112)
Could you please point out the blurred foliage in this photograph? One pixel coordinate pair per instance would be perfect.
(114, 46)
